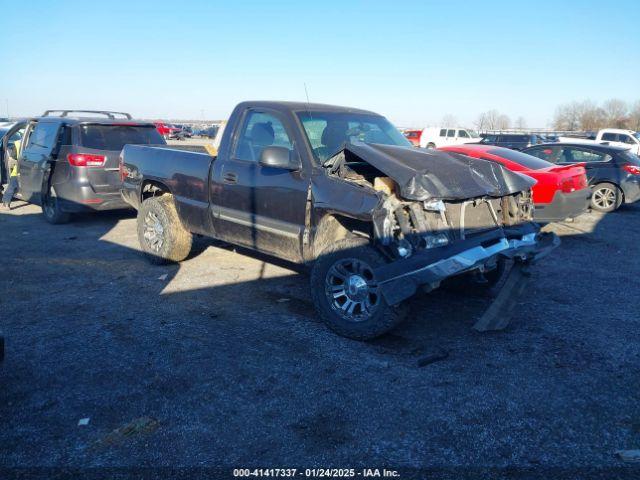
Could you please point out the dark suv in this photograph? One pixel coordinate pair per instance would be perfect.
(514, 141)
(69, 163)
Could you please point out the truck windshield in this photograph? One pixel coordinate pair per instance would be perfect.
(115, 137)
(327, 132)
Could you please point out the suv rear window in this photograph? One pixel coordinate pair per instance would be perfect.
(527, 161)
(115, 137)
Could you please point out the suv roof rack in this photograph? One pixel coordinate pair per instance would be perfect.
(65, 113)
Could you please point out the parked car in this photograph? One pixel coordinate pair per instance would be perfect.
(613, 173)
(435, 137)
(69, 163)
(413, 136)
(209, 132)
(561, 192)
(11, 133)
(514, 141)
(166, 129)
(616, 137)
(343, 189)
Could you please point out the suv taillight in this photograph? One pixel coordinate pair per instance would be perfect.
(632, 169)
(86, 160)
(121, 170)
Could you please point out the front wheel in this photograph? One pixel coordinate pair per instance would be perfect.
(51, 208)
(606, 197)
(346, 293)
(160, 232)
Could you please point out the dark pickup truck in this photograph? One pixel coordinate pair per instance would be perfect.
(342, 189)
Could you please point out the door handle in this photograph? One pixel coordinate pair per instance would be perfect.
(230, 177)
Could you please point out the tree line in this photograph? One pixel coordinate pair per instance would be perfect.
(587, 115)
(578, 116)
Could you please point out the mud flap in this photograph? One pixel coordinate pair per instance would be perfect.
(498, 315)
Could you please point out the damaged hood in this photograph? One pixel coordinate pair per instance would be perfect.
(432, 174)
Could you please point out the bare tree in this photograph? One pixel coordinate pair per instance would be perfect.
(503, 121)
(616, 112)
(634, 116)
(521, 123)
(481, 122)
(591, 116)
(449, 120)
(567, 117)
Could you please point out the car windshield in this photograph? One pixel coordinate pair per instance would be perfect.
(473, 134)
(115, 137)
(527, 161)
(637, 135)
(327, 132)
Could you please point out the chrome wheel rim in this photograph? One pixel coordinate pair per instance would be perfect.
(352, 290)
(604, 197)
(153, 232)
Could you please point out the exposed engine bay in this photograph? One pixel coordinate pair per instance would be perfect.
(403, 227)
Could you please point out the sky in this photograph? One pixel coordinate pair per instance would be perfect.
(414, 62)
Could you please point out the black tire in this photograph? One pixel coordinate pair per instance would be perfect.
(431, 145)
(370, 314)
(51, 209)
(160, 232)
(606, 197)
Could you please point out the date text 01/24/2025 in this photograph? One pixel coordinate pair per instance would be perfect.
(316, 472)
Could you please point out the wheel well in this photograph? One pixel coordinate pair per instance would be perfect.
(332, 228)
(152, 188)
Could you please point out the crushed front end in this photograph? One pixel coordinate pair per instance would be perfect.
(442, 215)
(434, 240)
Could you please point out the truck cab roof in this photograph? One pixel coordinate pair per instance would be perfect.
(301, 106)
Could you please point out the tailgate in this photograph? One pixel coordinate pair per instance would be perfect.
(104, 179)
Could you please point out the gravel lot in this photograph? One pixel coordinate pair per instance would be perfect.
(220, 361)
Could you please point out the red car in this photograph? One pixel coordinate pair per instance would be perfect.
(413, 136)
(166, 129)
(560, 192)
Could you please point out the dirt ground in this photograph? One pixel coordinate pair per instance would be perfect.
(220, 361)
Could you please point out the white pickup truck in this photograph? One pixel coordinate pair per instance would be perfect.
(613, 136)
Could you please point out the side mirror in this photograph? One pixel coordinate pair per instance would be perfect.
(279, 157)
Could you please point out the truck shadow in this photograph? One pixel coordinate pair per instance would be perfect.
(443, 313)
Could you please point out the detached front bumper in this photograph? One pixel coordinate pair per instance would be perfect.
(400, 280)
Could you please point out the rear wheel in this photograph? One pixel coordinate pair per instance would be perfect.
(431, 145)
(160, 232)
(51, 208)
(346, 293)
(606, 197)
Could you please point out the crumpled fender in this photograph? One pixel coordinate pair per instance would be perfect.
(343, 197)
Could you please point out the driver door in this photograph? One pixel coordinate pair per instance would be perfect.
(259, 206)
(34, 162)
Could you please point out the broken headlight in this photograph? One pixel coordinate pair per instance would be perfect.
(435, 240)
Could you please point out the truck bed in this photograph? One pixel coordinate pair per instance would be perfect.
(184, 172)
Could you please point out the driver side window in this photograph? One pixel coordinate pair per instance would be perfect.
(260, 130)
(42, 138)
